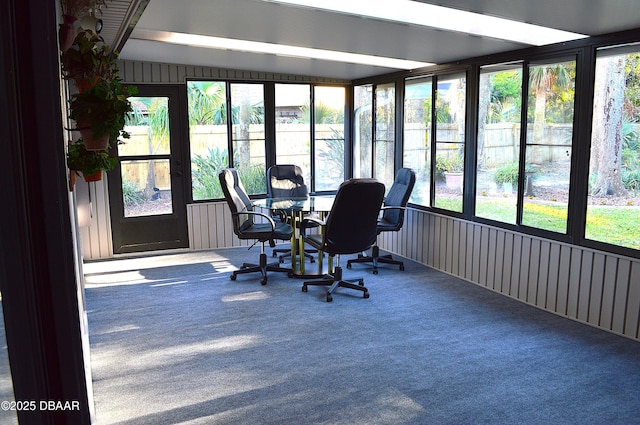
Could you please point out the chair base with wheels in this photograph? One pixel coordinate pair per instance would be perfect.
(335, 281)
(263, 267)
(286, 252)
(375, 258)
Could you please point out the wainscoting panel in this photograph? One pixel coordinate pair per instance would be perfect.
(95, 239)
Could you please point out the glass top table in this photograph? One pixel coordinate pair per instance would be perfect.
(298, 206)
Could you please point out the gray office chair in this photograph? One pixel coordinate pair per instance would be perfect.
(392, 217)
(351, 227)
(286, 181)
(245, 227)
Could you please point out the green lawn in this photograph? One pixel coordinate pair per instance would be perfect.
(615, 225)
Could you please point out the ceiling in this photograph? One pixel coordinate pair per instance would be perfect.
(127, 21)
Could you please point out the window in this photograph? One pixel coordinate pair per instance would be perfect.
(363, 123)
(385, 128)
(293, 126)
(548, 145)
(247, 137)
(497, 170)
(450, 141)
(613, 211)
(374, 156)
(207, 137)
(329, 106)
(417, 136)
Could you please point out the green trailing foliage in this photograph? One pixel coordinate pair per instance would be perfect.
(88, 162)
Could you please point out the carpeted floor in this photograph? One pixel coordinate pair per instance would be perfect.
(174, 341)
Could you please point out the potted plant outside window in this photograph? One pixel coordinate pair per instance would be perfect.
(450, 168)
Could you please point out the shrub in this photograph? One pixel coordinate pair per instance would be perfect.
(631, 179)
(205, 170)
(130, 193)
(506, 173)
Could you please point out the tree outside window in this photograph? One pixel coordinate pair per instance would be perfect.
(613, 210)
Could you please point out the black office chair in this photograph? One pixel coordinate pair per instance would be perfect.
(286, 181)
(245, 227)
(391, 219)
(349, 228)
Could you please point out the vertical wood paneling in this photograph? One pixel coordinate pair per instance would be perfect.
(491, 259)
(507, 264)
(595, 296)
(468, 272)
(440, 243)
(532, 279)
(584, 289)
(632, 325)
(563, 280)
(455, 259)
(515, 266)
(543, 275)
(523, 279)
(448, 261)
(574, 283)
(499, 260)
(552, 277)
(621, 296)
(608, 292)
(462, 248)
(484, 255)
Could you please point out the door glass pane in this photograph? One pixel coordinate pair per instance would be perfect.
(146, 182)
(417, 137)
(146, 187)
(613, 211)
(249, 157)
(207, 137)
(293, 127)
(363, 124)
(148, 127)
(548, 146)
(329, 137)
(385, 133)
(450, 128)
(497, 176)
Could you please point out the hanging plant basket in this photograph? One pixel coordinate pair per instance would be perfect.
(97, 176)
(92, 143)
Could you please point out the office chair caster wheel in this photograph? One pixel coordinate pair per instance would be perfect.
(329, 297)
(348, 265)
(304, 288)
(375, 272)
(365, 295)
(361, 282)
(280, 260)
(233, 277)
(263, 281)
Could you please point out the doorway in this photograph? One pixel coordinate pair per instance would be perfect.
(147, 188)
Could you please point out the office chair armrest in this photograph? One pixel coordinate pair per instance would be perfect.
(392, 208)
(269, 219)
(310, 222)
